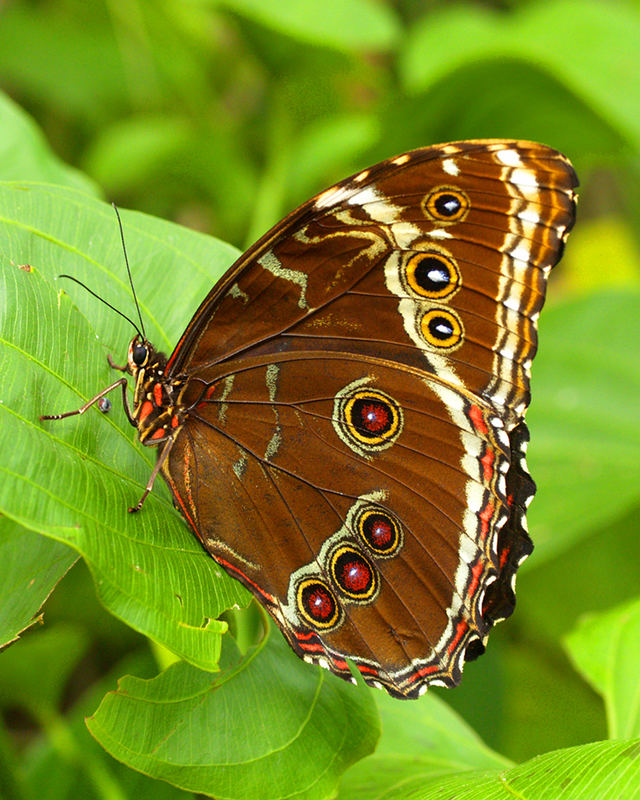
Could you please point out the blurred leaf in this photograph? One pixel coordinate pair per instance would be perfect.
(585, 431)
(25, 155)
(279, 729)
(602, 770)
(523, 696)
(148, 569)
(66, 763)
(571, 40)
(519, 101)
(420, 740)
(31, 566)
(602, 248)
(352, 26)
(606, 649)
(126, 153)
(70, 61)
(33, 674)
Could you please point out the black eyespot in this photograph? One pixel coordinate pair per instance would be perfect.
(432, 274)
(139, 355)
(442, 328)
(446, 204)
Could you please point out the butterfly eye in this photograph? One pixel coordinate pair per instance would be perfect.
(139, 355)
(446, 204)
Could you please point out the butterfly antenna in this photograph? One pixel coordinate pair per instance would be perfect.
(126, 261)
(102, 300)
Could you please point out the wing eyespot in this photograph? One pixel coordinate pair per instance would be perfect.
(446, 204)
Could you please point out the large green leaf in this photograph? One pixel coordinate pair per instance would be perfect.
(280, 729)
(606, 649)
(74, 479)
(598, 771)
(30, 566)
(420, 741)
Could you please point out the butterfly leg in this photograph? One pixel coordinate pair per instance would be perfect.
(161, 459)
(120, 382)
(113, 365)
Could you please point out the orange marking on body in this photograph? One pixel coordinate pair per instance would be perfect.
(174, 421)
(476, 572)
(340, 664)
(510, 500)
(461, 628)
(487, 464)
(147, 408)
(475, 415)
(158, 434)
(157, 394)
(504, 555)
(485, 515)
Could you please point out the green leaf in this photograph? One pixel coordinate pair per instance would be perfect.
(585, 431)
(25, 155)
(606, 649)
(352, 26)
(602, 770)
(420, 740)
(31, 566)
(571, 42)
(279, 729)
(73, 479)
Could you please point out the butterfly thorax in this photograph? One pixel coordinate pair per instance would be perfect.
(158, 410)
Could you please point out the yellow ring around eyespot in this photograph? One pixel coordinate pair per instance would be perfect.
(379, 551)
(324, 625)
(339, 551)
(430, 209)
(450, 265)
(453, 340)
(369, 394)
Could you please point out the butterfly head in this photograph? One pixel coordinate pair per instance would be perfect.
(142, 356)
(139, 355)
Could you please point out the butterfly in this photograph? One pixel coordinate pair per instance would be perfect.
(342, 422)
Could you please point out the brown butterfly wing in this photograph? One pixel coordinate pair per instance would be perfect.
(418, 281)
(333, 275)
(285, 490)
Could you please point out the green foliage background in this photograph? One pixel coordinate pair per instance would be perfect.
(221, 117)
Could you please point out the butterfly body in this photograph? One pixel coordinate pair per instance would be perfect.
(342, 422)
